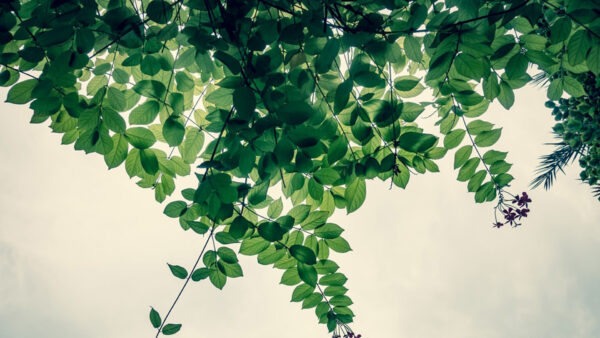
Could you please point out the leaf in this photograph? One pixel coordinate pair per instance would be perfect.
(178, 271)
(302, 291)
(412, 48)
(173, 131)
(468, 169)
(476, 180)
(560, 30)
(462, 155)
(573, 87)
(342, 94)
(290, 277)
(469, 66)
(144, 113)
(170, 329)
(227, 255)
(175, 209)
(244, 102)
(555, 89)
(21, 92)
(200, 274)
(118, 153)
(271, 231)
(492, 156)
(303, 254)
(217, 278)
(578, 47)
(593, 60)
(488, 138)
(338, 244)
(327, 56)
(155, 318)
(308, 274)
(326, 176)
(406, 83)
(355, 195)
(334, 279)
(295, 113)
(516, 66)
(329, 231)
(416, 142)
(140, 137)
(229, 61)
(149, 161)
(253, 246)
(454, 138)
(337, 150)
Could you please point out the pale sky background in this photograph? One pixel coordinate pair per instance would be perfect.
(83, 252)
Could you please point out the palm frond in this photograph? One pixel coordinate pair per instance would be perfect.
(596, 191)
(550, 164)
(541, 79)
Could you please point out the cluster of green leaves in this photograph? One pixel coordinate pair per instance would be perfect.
(313, 97)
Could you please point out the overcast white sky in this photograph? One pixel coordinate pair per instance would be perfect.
(83, 252)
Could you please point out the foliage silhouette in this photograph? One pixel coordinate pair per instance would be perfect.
(309, 97)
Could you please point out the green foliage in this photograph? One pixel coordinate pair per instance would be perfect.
(310, 98)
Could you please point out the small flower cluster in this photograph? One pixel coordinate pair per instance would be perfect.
(344, 331)
(513, 212)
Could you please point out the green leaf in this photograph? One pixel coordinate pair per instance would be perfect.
(334, 279)
(144, 113)
(326, 176)
(412, 48)
(178, 271)
(517, 66)
(406, 83)
(244, 102)
(227, 255)
(301, 292)
(488, 138)
(118, 153)
(492, 156)
(271, 231)
(155, 318)
(149, 161)
(200, 274)
(462, 155)
(229, 61)
(150, 88)
(560, 30)
(573, 87)
(253, 246)
(578, 47)
(454, 138)
(338, 244)
(327, 56)
(476, 180)
(290, 277)
(303, 254)
(555, 89)
(275, 208)
(21, 92)
(478, 126)
(340, 301)
(416, 142)
(173, 131)
(175, 209)
(312, 300)
(491, 89)
(329, 231)
(355, 194)
(217, 278)
(342, 94)
(469, 66)
(468, 169)
(308, 274)
(140, 137)
(295, 113)
(593, 60)
(170, 329)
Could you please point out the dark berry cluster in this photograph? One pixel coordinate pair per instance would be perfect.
(514, 212)
(347, 335)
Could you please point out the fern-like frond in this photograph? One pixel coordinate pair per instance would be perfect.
(540, 79)
(562, 155)
(596, 191)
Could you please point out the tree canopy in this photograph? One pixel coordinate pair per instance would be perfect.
(283, 109)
